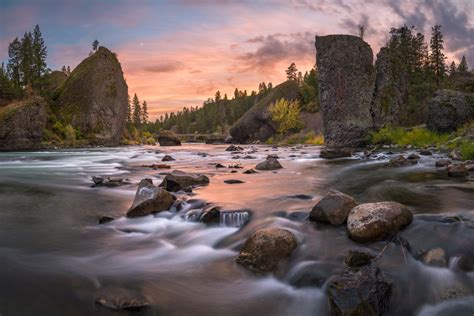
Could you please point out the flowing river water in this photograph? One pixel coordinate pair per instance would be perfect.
(55, 259)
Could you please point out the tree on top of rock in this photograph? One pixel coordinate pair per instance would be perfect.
(463, 65)
(144, 112)
(292, 72)
(95, 45)
(437, 56)
(137, 111)
(452, 68)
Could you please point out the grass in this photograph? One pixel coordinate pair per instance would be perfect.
(417, 137)
(467, 150)
(307, 139)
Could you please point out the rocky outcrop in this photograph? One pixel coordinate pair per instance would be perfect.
(390, 91)
(179, 180)
(22, 124)
(256, 123)
(266, 248)
(94, 99)
(149, 199)
(375, 221)
(345, 74)
(333, 208)
(364, 291)
(450, 109)
(168, 138)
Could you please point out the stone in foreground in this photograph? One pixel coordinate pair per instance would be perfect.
(179, 180)
(376, 221)
(149, 199)
(269, 164)
(266, 248)
(333, 208)
(360, 292)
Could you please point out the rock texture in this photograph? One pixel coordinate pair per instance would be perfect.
(450, 109)
(375, 221)
(256, 123)
(269, 164)
(180, 180)
(22, 124)
(345, 74)
(149, 199)
(266, 248)
(94, 99)
(168, 138)
(333, 208)
(332, 153)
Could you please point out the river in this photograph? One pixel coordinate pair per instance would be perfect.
(55, 259)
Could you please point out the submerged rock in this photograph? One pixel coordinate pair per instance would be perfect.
(180, 180)
(375, 221)
(332, 153)
(435, 257)
(333, 208)
(233, 181)
(269, 164)
(234, 148)
(250, 171)
(400, 161)
(265, 249)
(345, 74)
(168, 138)
(457, 170)
(443, 162)
(149, 199)
(425, 152)
(122, 303)
(168, 158)
(413, 156)
(357, 292)
(356, 258)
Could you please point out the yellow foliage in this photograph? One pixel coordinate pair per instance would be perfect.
(287, 115)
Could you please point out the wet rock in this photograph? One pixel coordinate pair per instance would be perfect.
(233, 181)
(435, 257)
(333, 208)
(425, 153)
(211, 215)
(469, 167)
(168, 158)
(236, 166)
(122, 303)
(105, 219)
(218, 165)
(168, 138)
(357, 292)
(443, 162)
(345, 75)
(400, 161)
(273, 156)
(97, 180)
(250, 171)
(332, 153)
(357, 258)
(269, 164)
(266, 248)
(249, 157)
(149, 199)
(180, 180)
(233, 171)
(413, 156)
(455, 154)
(457, 170)
(453, 293)
(202, 154)
(375, 221)
(157, 166)
(234, 148)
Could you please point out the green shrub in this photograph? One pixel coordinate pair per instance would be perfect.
(70, 135)
(287, 115)
(467, 150)
(418, 137)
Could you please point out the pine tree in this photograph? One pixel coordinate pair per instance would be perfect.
(144, 112)
(137, 111)
(291, 72)
(437, 56)
(26, 53)
(95, 45)
(39, 54)
(452, 68)
(68, 70)
(129, 110)
(14, 62)
(63, 69)
(218, 96)
(463, 65)
(236, 93)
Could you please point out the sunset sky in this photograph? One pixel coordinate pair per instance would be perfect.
(177, 53)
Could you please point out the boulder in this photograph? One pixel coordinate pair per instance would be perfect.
(425, 152)
(150, 199)
(435, 257)
(450, 109)
(400, 161)
(357, 292)
(168, 158)
(332, 153)
(356, 258)
(413, 156)
(94, 99)
(211, 215)
(168, 138)
(256, 124)
(333, 208)
(234, 148)
(345, 74)
(266, 248)
(269, 164)
(443, 162)
(376, 221)
(180, 180)
(22, 124)
(457, 170)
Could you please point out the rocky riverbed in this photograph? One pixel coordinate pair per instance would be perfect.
(291, 237)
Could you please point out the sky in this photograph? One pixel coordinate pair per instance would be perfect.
(177, 53)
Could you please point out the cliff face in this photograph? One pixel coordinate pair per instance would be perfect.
(450, 109)
(345, 74)
(256, 123)
(94, 99)
(22, 124)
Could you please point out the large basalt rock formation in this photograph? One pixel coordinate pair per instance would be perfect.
(345, 74)
(449, 110)
(256, 123)
(22, 124)
(94, 99)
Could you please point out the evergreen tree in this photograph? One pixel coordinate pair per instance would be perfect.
(27, 60)
(291, 72)
(463, 65)
(437, 56)
(95, 45)
(64, 70)
(144, 112)
(7, 88)
(137, 111)
(452, 68)
(14, 62)
(129, 110)
(39, 54)
(236, 93)
(218, 96)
